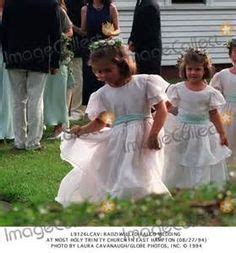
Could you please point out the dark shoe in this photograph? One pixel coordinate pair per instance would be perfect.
(16, 149)
(35, 148)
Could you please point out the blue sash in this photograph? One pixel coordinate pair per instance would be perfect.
(193, 119)
(230, 98)
(129, 118)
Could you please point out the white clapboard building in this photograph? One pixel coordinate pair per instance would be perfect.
(200, 23)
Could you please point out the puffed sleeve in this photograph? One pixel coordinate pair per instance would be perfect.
(95, 106)
(172, 94)
(216, 82)
(216, 100)
(156, 87)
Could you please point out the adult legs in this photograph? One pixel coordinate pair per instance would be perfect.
(74, 95)
(35, 88)
(18, 80)
(148, 62)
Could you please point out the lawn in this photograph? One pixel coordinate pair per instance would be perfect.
(30, 180)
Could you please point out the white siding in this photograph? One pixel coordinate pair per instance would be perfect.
(224, 2)
(185, 27)
(201, 28)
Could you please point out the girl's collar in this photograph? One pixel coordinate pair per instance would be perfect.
(123, 84)
(189, 88)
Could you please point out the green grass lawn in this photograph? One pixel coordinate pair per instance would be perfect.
(29, 181)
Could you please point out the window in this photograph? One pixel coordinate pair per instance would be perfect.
(188, 1)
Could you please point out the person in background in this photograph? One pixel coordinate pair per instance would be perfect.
(225, 82)
(99, 20)
(145, 39)
(74, 95)
(31, 49)
(6, 126)
(55, 95)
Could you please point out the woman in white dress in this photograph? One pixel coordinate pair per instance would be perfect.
(123, 161)
(225, 82)
(196, 149)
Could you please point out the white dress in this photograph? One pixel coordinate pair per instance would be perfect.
(193, 154)
(225, 82)
(116, 161)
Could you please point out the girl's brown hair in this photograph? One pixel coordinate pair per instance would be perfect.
(117, 55)
(230, 45)
(195, 56)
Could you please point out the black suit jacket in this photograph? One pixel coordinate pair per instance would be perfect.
(31, 34)
(146, 29)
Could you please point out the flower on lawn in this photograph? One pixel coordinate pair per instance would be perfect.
(108, 206)
(227, 206)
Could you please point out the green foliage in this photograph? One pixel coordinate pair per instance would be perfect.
(30, 180)
(67, 54)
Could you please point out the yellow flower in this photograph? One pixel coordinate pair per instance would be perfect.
(108, 28)
(227, 118)
(108, 206)
(108, 118)
(226, 29)
(227, 206)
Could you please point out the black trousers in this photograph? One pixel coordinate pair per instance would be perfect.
(90, 82)
(148, 62)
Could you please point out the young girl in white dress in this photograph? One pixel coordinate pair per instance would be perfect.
(196, 149)
(125, 160)
(225, 82)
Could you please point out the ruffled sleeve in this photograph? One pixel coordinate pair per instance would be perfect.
(95, 106)
(216, 100)
(216, 82)
(172, 94)
(156, 87)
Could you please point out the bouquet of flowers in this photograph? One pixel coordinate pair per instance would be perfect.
(108, 29)
(67, 54)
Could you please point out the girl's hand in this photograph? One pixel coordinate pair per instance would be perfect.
(76, 130)
(153, 142)
(223, 140)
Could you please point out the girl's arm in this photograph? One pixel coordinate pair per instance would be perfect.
(169, 106)
(93, 126)
(216, 120)
(115, 20)
(159, 120)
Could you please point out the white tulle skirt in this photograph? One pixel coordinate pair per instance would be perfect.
(193, 155)
(114, 162)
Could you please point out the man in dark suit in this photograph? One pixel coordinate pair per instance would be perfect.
(31, 49)
(145, 38)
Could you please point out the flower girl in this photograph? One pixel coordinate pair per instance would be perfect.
(196, 149)
(123, 161)
(225, 82)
